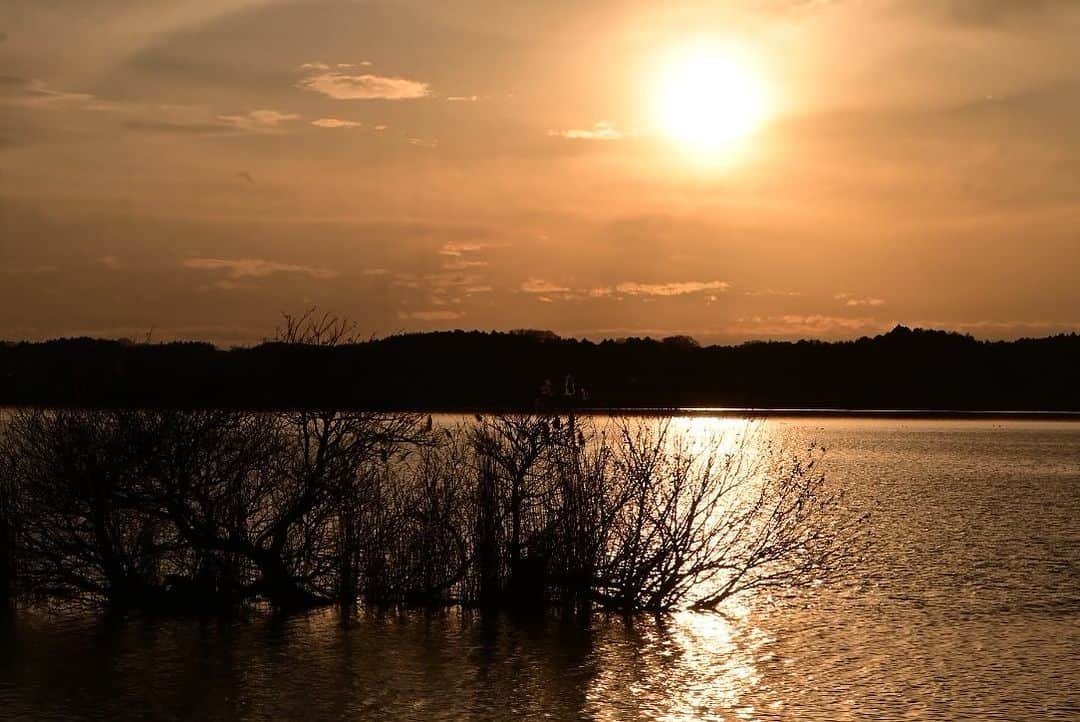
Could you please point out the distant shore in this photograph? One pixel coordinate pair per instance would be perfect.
(653, 411)
(904, 373)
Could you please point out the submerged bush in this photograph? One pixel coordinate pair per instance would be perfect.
(196, 509)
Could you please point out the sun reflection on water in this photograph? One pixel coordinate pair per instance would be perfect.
(689, 666)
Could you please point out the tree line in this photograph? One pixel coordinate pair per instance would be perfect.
(903, 369)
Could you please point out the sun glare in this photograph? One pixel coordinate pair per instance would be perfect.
(708, 101)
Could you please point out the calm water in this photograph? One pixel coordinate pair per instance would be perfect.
(968, 608)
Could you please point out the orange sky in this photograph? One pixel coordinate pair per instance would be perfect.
(417, 165)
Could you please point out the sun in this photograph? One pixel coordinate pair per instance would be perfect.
(708, 100)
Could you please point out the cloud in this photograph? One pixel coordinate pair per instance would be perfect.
(194, 128)
(462, 98)
(430, 315)
(536, 285)
(683, 288)
(462, 264)
(458, 248)
(255, 267)
(997, 327)
(623, 288)
(258, 120)
(461, 255)
(314, 66)
(35, 93)
(189, 119)
(851, 300)
(806, 326)
(335, 123)
(772, 292)
(406, 280)
(342, 86)
(600, 131)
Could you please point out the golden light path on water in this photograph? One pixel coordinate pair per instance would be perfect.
(691, 666)
(695, 665)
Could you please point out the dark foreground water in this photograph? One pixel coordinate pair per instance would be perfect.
(967, 609)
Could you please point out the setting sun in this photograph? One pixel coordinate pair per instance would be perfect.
(707, 100)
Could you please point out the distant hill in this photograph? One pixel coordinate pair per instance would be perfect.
(460, 370)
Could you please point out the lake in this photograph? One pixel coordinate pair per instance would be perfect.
(966, 608)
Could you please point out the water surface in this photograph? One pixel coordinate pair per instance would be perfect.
(968, 608)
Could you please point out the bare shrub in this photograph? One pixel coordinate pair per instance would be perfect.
(332, 482)
(71, 476)
(8, 525)
(702, 526)
(432, 499)
(210, 507)
(511, 529)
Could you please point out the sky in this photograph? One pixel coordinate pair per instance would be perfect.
(193, 169)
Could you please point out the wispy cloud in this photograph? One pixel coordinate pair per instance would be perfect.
(367, 86)
(815, 325)
(852, 300)
(38, 93)
(430, 315)
(681, 288)
(335, 123)
(624, 288)
(258, 120)
(462, 255)
(460, 248)
(324, 66)
(462, 98)
(461, 264)
(600, 131)
(536, 285)
(134, 115)
(255, 267)
(772, 292)
(997, 327)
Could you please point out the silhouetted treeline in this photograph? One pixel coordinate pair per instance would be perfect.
(903, 369)
(211, 509)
